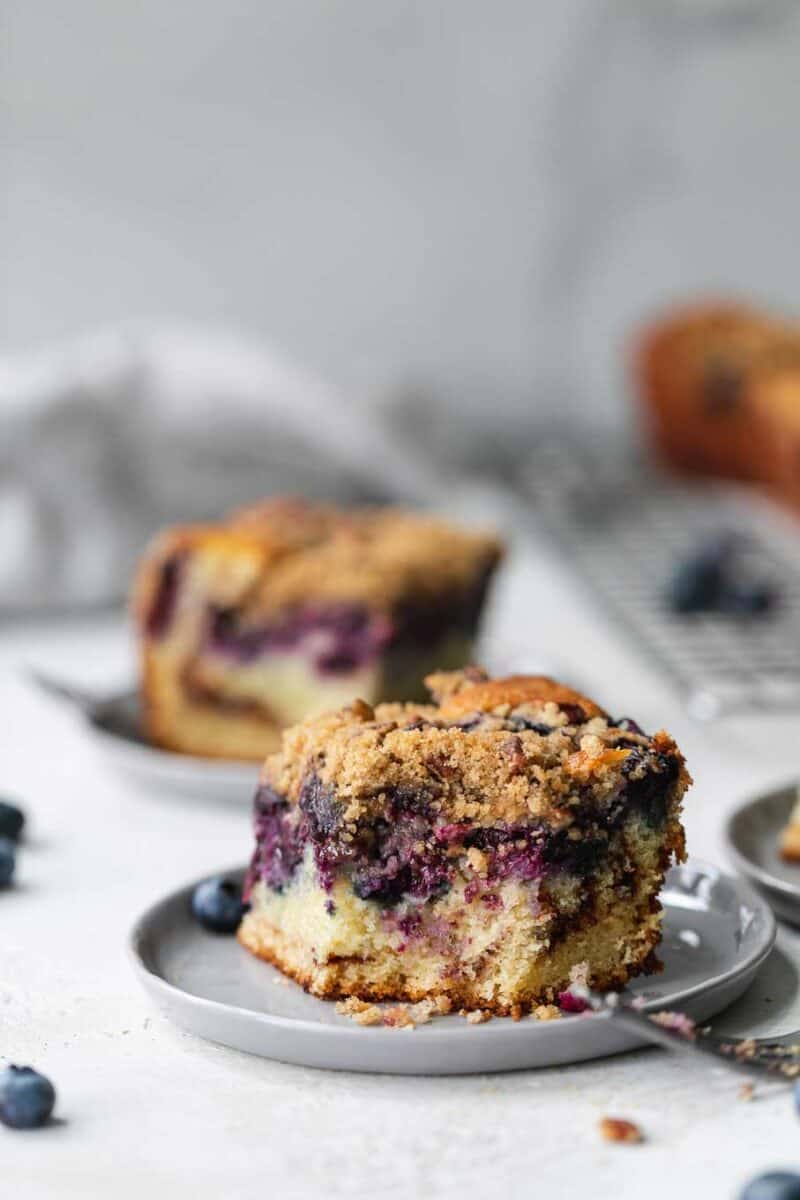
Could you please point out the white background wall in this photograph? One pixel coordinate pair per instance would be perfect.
(469, 199)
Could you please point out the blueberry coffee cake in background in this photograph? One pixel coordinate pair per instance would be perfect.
(478, 848)
(290, 608)
(720, 386)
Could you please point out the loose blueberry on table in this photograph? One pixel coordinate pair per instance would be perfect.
(12, 820)
(217, 905)
(774, 1185)
(27, 1098)
(7, 861)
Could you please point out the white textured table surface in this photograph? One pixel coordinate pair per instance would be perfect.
(145, 1109)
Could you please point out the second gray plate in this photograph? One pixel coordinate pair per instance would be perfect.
(752, 834)
(116, 728)
(717, 932)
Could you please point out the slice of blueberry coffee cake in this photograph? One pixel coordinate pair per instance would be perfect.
(478, 848)
(291, 608)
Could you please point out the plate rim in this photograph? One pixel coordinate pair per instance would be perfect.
(151, 979)
(171, 760)
(747, 865)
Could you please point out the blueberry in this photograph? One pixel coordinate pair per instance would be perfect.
(521, 723)
(26, 1098)
(748, 597)
(7, 861)
(11, 820)
(717, 576)
(629, 725)
(697, 583)
(775, 1185)
(217, 905)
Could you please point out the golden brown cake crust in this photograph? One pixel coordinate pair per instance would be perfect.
(340, 985)
(460, 692)
(493, 775)
(287, 552)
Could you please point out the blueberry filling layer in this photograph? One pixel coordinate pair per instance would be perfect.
(280, 842)
(409, 852)
(338, 638)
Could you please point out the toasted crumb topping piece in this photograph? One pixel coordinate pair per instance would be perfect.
(615, 1129)
(461, 692)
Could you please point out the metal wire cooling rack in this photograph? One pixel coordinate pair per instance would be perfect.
(624, 527)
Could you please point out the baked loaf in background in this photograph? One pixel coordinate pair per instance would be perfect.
(291, 607)
(720, 386)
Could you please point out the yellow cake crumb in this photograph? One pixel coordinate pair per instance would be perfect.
(359, 1011)
(546, 1012)
(477, 1016)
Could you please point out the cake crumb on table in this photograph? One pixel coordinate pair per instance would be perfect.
(615, 1129)
(747, 1091)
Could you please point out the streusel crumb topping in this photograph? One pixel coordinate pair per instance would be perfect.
(289, 551)
(494, 750)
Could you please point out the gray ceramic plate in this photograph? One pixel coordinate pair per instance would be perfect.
(115, 726)
(752, 832)
(717, 932)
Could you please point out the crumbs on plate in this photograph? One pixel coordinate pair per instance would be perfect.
(476, 1016)
(547, 1012)
(393, 1016)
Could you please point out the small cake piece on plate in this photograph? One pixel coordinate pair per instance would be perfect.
(291, 608)
(479, 848)
(790, 835)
